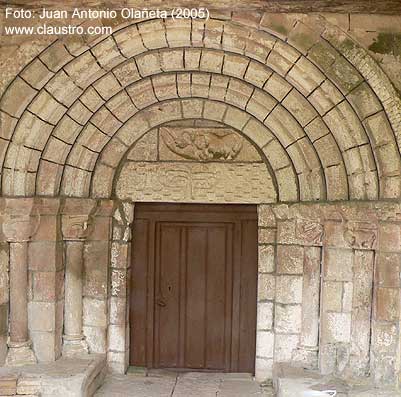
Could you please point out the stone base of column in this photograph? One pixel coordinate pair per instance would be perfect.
(74, 346)
(19, 354)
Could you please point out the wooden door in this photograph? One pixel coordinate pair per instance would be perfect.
(193, 287)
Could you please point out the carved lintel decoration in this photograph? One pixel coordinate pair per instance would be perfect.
(360, 234)
(203, 145)
(309, 231)
(76, 227)
(195, 182)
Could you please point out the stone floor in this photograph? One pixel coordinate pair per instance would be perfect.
(171, 384)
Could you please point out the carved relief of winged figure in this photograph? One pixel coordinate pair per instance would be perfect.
(202, 145)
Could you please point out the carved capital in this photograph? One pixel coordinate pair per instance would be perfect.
(310, 231)
(360, 235)
(20, 219)
(76, 227)
(77, 218)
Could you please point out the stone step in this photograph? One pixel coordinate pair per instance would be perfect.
(297, 382)
(80, 376)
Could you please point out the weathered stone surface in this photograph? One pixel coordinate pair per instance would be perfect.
(348, 152)
(194, 182)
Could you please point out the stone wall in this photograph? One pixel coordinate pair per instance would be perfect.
(337, 266)
(328, 284)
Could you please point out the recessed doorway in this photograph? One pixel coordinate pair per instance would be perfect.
(194, 287)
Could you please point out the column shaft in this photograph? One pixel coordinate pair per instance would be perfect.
(18, 292)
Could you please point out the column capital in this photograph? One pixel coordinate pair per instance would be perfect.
(76, 219)
(20, 219)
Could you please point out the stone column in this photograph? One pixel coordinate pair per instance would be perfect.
(76, 226)
(20, 222)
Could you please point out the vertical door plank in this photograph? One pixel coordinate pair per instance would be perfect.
(235, 335)
(216, 297)
(167, 296)
(248, 297)
(196, 297)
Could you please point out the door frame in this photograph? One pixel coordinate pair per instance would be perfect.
(234, 214)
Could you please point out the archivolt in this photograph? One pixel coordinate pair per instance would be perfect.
(70, 115)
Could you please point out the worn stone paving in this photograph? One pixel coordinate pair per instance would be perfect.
(171, 384)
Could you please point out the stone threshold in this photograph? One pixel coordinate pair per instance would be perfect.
(291, 381)
(79, 376)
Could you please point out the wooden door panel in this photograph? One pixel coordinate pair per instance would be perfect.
(195, 300)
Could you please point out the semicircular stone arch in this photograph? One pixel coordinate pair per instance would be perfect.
(327, 126)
